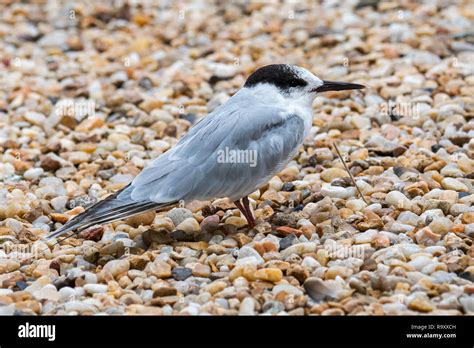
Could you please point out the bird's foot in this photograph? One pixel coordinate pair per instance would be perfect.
(250, 217)
(245, 209)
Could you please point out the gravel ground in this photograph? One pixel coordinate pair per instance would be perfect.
(91, 93)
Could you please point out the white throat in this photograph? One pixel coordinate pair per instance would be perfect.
(299, 104)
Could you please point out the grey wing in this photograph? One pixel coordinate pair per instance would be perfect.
(193, 169)
(199, 167)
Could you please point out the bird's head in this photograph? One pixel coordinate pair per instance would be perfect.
(294, 82)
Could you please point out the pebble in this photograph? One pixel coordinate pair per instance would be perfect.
(178, 215)
(181, 273)
(247, 306)
(35, 118)
(366, 237)
(201, 270)
(66, 294)
(141, 219)
(356, 204)
(273, 307)
(287, 241)
(338, 192)
(454, 184)
(440, 225)
(7, 309)
(7, 265)
(236, 221)
(319, 290)
(310, 262)
(116, 267)
(215, 287)
(79, 306)
(338, 271)
(398, 200)
(95, 288)
(409, 218)
(189, 225)
(468, 304)
(330, 174)
(420, 304)
(46, 293)
(287, 288)
(468, 218)
(420, 262)
(159, 269)
(248, 252)
(269, 274)
(250, 261)
(300, 248)
(318, 247)
(33, 173)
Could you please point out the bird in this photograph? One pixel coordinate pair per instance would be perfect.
(269, 118)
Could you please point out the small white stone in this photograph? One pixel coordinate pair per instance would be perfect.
(250, 261)
(59, 203)
(300, 248)
(5, 292)
(8, 309)
(338, 192)
(90, 278)
(162, 115)
(310, 262)
(419, 262)
(356, 204)
(95, 288)
(440, 225)
(458, 209)
(6, 170)
(79, 306)
(247, 307)
(468, 304)
(398, 200)
(366, 237)
(79, 291)
(409, 249)
(33, 173)
(67, 294)
(35, 118)
(290, 289)
(247, 251)
(222, 70)
(47, 293)
(399, 228)
(435, 249)
(409, 218)
(431, 213)
(454, 184)
(275, 184)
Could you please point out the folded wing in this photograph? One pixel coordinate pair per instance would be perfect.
(267, 137)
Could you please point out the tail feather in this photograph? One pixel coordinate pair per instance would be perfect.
(114, 207)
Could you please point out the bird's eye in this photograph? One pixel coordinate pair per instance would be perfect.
(297, 83)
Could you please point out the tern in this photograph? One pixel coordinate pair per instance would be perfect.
(231, 152)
